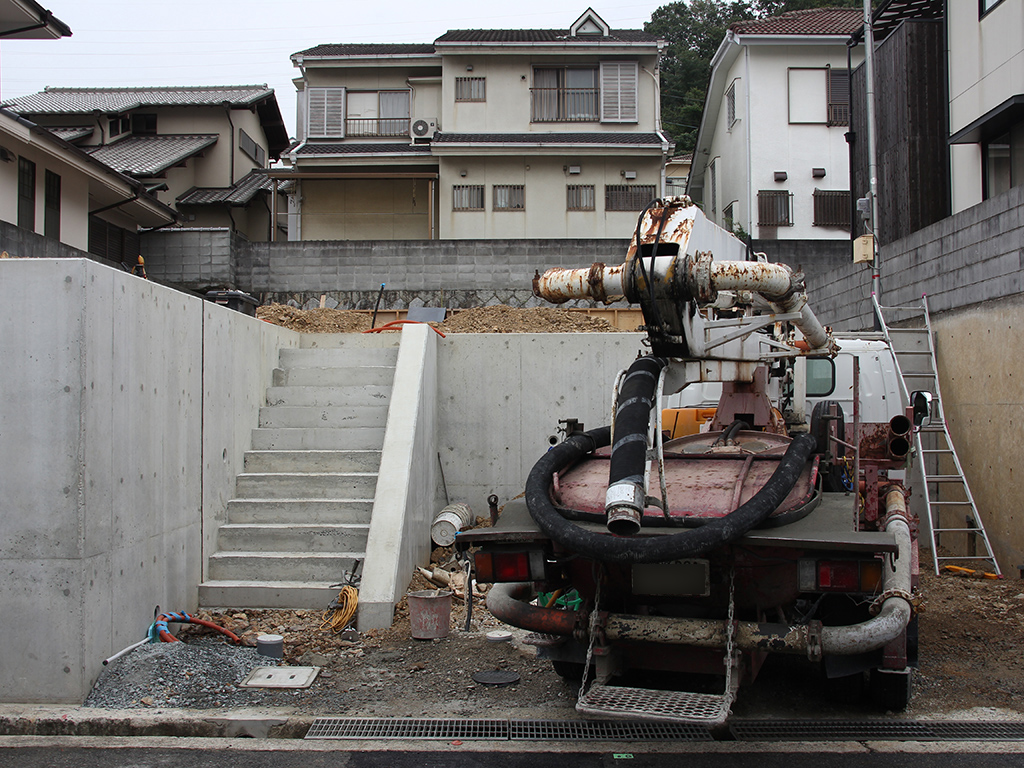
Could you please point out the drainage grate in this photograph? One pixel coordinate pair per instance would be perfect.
(647, 704)
(405, 728)
(873, 730)
(605, 730)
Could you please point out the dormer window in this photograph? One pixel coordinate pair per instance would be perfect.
(589, 25)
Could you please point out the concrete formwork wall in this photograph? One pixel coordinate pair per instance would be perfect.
(500, 397)
(105, 433)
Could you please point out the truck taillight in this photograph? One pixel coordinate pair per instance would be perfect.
(509, 566)
(841, 576)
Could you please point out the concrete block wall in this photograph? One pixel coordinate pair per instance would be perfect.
(971, 257)
(452, 273)
(126, 409)
(21, 243)
(192, 258)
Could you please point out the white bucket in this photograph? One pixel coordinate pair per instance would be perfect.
(450, 521)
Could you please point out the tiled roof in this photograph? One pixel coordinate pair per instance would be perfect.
(60, 101)
(72, 133)
(363, 149)
(244, 190)
(542, 36)
(151, 155)
(367, 49)
(816, 21)
(631, 139)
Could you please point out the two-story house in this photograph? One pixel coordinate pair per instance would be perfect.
(771, 158)
(50, 188)
(197, 148)
(482, 134)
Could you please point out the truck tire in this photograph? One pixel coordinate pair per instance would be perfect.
(570, 671)
(890, 690)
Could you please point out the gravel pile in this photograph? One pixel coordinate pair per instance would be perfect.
(204, 673)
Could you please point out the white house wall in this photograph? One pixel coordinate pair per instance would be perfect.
(545, 179)
(796, 148)
(986, 67)
(508, 106)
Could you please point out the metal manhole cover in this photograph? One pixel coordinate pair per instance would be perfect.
(281, 677)
(496, 677)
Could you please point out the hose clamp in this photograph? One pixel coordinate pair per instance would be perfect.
(624, 494)
(876, 606)
(814, 640)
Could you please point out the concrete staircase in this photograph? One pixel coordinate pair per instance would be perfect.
(302, 506)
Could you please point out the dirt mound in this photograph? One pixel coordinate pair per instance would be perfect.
(497, 319)
(315, 320)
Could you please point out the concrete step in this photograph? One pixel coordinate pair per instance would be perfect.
(351, 340)
(245, 511)
(346, 357)
(318, 438)
(267, 594)
(349, 395)
(312, 461)
(323, 376)
(292, 537)
(306, 485)
(329, 567)
(284, 416)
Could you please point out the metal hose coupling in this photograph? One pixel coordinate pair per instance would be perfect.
(624, 505)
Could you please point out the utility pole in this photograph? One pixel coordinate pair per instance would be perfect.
(869, 76)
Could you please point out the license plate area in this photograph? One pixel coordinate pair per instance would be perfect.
(689, 578)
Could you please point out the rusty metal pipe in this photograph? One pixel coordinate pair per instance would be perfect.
(508, 603)
(599, 282)
(760, 277)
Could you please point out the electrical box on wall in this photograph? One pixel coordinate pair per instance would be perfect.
(864, 249)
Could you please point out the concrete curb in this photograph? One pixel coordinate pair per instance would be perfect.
(42, 720)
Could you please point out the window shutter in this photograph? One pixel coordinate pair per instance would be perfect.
(326, 113)
(619, 91)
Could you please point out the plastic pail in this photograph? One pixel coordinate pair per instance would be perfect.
(430, 612)
(449, 521)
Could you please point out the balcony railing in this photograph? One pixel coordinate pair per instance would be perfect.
(564, 105)
(377, 126)
(838, 114)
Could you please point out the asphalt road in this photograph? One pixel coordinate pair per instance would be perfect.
(217, 753)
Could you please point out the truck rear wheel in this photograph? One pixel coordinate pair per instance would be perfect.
(570, 671)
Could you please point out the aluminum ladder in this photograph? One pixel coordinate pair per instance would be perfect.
(947, 496)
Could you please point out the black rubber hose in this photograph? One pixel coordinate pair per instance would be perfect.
(632, 418)
(730, 432)
(692, 542)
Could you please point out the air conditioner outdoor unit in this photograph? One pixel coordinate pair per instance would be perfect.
(423, 128)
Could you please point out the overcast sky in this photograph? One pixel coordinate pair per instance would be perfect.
(243, 42)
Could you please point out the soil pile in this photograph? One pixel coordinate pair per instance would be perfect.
(496, 319)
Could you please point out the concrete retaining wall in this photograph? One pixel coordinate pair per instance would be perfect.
(500, 397)
(981, 369)
(409, 490)
(117, 434)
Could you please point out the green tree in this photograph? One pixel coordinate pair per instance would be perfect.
(693, 30)
(766, 8)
